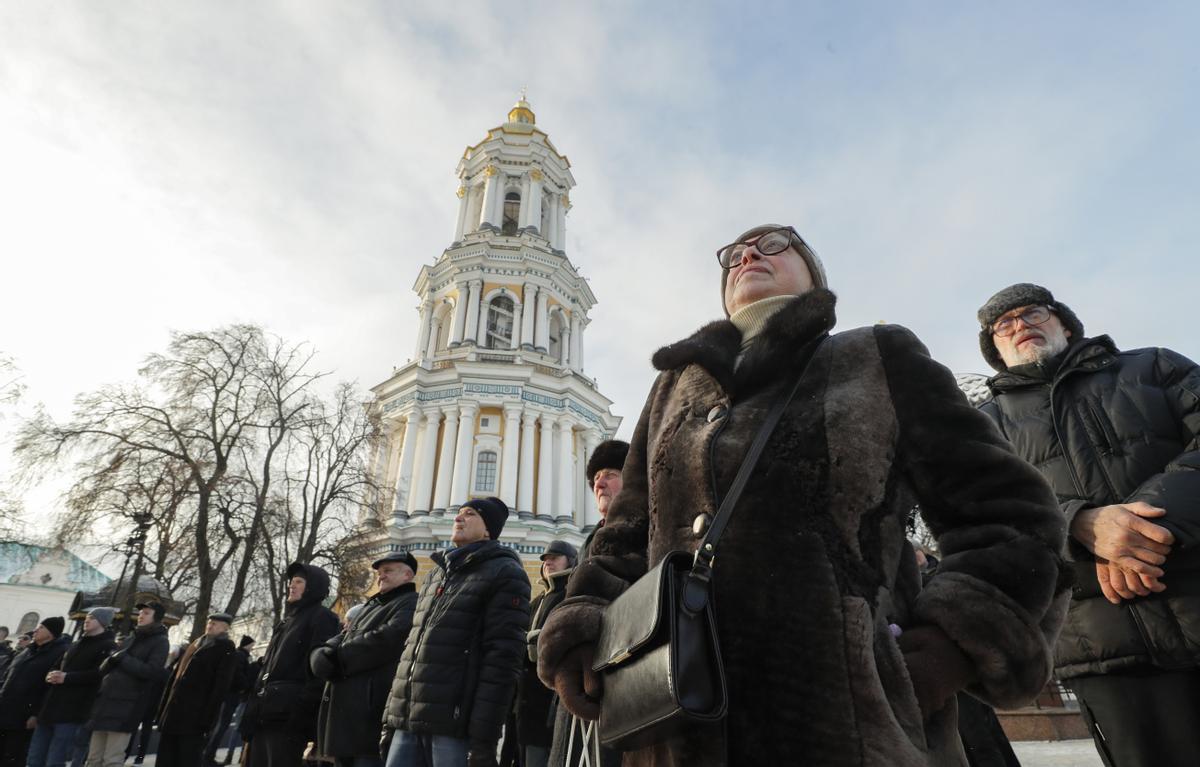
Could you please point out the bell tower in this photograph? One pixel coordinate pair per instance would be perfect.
(496, 399)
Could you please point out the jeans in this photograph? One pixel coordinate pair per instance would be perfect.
(411, 749)
(358, 761)
(53, 744)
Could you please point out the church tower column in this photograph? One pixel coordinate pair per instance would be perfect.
(491, 194)
(527, 316)
(471, 323)
(423, 331)
(545, 480)
(408, 444)
(560, 227)
(461, 489)
(518, 317)
(509, 471)
(551, 234)
(525, 482)
(564, 344)
(541, 333)
(461, 227)
(533, 200)
(445, 464)
(566, 470)
(576, 340)
(418, 502)
(460, 316)
(583, 323)
(591, 514)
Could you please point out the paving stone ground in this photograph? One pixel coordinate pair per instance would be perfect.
(1057, 753)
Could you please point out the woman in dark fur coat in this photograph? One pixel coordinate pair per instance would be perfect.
(833, 653)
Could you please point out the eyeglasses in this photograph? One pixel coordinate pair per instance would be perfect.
(1032, 315)
(769, 243)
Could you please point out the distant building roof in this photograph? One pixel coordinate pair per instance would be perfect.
(28, 564)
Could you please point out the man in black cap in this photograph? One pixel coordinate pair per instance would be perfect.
(242, 681)
(468, 637)
(358, 665)
(534, 723)
(194, 694)
(131, 675)
(25, 689)
(281, 715)
(1117, 434)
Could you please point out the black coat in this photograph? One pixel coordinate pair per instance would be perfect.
(71, 701)
(194, 693)
(359, 666)
(1106, 426)
(25, 685)
(462, 660)
(131, 676)
(286, 695)
(535, 726)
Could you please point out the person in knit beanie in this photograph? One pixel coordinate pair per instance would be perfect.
(804, 573)
(1116, 432)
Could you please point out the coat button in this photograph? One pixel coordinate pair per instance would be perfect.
(716, 414)
(700, 524)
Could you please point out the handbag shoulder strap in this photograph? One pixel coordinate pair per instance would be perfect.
(708, 546)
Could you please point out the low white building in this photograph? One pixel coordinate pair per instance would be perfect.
(40, 581)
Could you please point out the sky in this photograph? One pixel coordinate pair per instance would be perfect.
(185, 165)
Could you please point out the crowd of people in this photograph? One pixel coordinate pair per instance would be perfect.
(1065, 508)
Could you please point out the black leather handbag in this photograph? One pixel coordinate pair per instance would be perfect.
(658, 651)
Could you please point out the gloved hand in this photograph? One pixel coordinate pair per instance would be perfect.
(937, 667)
(578, 687)
(323, 662)
(482, 754)
(385, 743)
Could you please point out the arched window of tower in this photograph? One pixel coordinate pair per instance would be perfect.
(485, 472)
(500, 323)
(512, 213)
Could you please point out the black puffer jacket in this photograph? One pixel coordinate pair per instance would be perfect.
(286, 694)
(25, 685)
(462, 660)
(71, 701)
(132, 675)
(358, 667)
(1104, 427)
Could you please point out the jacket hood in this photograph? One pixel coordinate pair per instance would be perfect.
(316, 584)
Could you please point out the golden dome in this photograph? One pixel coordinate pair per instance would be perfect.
(521, 111)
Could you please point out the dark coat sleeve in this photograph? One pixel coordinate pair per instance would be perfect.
(1177, 487)
(376, 647)
(502, 644)
(150, 669)
(325, 624)
(999, 593)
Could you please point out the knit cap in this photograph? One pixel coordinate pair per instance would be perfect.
(1014, 297)
(55, 625)
(815, 267)
(494, 512)
(103, 615)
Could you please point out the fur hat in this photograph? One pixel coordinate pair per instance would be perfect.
(55, 625)
(157, 607)
(561, 547)
(103, 615)
(494, 512)
(1014, 297)
(815, 267)
(609, 454)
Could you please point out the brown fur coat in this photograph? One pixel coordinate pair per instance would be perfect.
(814, 564)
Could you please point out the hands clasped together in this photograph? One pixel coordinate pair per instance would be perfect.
(1130, 549)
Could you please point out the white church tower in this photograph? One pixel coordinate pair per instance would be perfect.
(497, 399)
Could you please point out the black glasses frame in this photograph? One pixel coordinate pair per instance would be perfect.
(727, 263)
(1006, 326)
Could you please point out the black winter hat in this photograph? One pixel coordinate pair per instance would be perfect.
(55, 625)
(1014, 297)
(494, 512)
(609, 454)
(157, 607)
(245, 641)
(561, 547)
(402, 557)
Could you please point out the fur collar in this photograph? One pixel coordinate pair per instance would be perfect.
(715, 346)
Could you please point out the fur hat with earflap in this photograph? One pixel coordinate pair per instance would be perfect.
(1014, 297)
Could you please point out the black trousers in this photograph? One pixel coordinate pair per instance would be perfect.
(179, 750)
(275, 748)
(218, 732)
(1144, 717)
(14, 746)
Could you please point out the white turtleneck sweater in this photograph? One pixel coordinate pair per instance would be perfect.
(752, 318)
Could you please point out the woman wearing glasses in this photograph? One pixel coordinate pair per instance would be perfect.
(833, 654)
